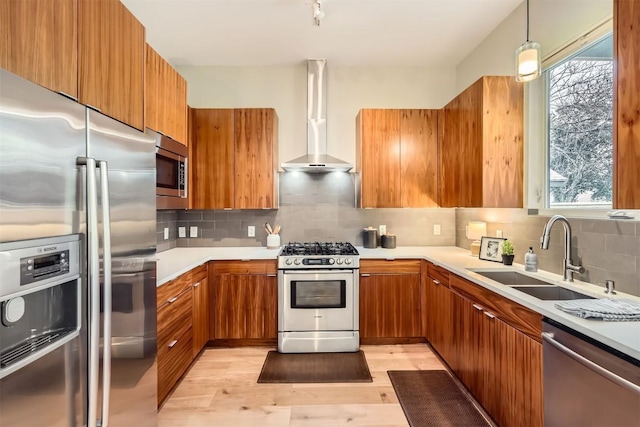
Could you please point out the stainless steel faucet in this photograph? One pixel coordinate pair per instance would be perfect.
(569, 268)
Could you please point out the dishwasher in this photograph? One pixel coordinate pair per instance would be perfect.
(587, 383)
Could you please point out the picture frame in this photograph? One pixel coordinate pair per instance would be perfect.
(491, 248)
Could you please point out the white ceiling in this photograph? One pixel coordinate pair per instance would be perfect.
(423, 33)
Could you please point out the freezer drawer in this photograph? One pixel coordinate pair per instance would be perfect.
(585, 384)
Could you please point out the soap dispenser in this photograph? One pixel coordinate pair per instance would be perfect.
(530, 261)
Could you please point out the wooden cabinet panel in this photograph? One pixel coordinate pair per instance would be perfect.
(481, 145)
(397, 156)
(378, 147)
(111, 60)
(170, 290)
(520, 317)
(419, 158)
(165, 97)
(519, 395)
(39, 41)
(175, 317)
(245, 306)
(212, 158)
(439, 318)
(384, 266)
(173, 361)
(390, 306)
(201, 316)
(255, 162)
(254, 266)
(626, 129)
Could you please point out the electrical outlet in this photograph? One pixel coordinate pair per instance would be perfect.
(251, 231)
(193, 231)
(382, 230)
(498, 233)
(437, 229)
(166, 233)
(182, 232)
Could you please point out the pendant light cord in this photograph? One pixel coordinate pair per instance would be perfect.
(527, 21)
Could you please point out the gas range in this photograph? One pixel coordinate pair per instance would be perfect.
(318, 255)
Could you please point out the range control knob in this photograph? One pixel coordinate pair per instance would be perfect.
(339, 261)
(332, 261)
(288, 261)
(347, 261)
(296, 261)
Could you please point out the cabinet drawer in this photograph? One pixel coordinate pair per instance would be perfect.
(514, 314)
(246, 267)
(438, 273)
(198, 274)
(173, 288)
(173, 362)
(384, 266)
(174, 318)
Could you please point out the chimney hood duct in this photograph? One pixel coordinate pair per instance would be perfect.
(316, 159)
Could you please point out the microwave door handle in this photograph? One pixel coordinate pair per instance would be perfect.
(93, 287)
(186, 177)
(107, 289)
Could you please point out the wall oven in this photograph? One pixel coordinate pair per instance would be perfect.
(171, 173)
(318, 304)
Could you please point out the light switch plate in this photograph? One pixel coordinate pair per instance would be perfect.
(193, 231)
(251, 231)
(166, 233)
(182, 231)
(437, 229)
(498, 233)
(382, 230)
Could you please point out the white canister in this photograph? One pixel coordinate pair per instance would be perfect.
(273, 241)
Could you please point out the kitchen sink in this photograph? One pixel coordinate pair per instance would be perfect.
(512, 278)
(551, 292)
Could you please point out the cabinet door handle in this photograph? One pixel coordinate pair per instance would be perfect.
(172, 343)
(365, 275)
(436, 281)
(477, 307)
(174, 299)
(489, 315)
(271, 275)
(196, 285)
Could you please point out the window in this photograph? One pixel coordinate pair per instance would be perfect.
(579, 103)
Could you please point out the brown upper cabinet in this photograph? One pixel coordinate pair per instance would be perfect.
(111, 60)
(233, 155)
(165, 98)
(481, 145)
(397, 153)
(39, 41)
(626, 129)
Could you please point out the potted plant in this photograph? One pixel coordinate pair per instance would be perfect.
(507, 252)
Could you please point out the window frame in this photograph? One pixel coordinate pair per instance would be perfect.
(536, 124)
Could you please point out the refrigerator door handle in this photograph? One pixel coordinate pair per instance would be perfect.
(107, 289)
(93, 268)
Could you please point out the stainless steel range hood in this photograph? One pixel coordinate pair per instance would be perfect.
(316, 159)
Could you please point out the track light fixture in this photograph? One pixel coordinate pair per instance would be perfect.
(318, 14)
(528, 65)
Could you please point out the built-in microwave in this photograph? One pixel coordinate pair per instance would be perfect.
(171, 173)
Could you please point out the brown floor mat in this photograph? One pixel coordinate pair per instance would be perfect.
(315, 368)
(432, 398)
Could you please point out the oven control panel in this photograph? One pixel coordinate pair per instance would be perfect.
(307, 262)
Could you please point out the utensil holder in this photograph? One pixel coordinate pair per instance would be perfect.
(370, 238)
(273, 241)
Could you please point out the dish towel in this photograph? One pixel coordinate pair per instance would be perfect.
(602, 309)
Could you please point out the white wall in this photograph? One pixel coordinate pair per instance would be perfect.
(349, 90)
(553, 23)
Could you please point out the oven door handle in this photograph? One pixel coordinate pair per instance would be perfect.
(328, 272)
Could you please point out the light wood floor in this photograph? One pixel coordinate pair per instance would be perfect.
(221, 389)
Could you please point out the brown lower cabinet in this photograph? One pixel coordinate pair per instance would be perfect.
(498, 363)
(245, 300)
(437, 307)
(389, 299)
(183, 326)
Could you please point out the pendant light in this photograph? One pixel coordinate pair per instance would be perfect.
(528, 58)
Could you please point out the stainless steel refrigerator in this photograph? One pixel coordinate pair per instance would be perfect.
(77, 264)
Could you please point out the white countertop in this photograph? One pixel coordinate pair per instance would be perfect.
(622, 336)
